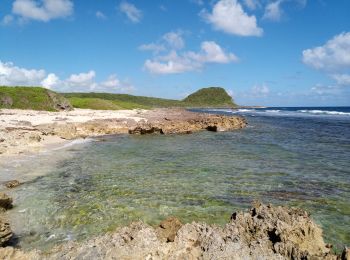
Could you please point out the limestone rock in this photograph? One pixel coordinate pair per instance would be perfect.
(168, 228)
(264, 232)
(5, 201)
(12, 184)
(5, 232)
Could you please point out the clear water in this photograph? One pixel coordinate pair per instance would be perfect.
(286, 157)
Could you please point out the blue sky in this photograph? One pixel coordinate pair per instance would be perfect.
(263, 52)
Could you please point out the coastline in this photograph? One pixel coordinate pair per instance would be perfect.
(146, 241)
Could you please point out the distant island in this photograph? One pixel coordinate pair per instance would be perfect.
(37, 98)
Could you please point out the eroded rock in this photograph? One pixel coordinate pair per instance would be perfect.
(5, 201)
(168, 228)
(264, 232)
(5, 232)
(12, 184)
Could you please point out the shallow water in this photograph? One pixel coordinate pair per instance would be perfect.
(95, 187)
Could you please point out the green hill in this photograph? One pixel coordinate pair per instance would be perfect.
(35, 98)
(123, 100)
(43, 99)
(210, 97)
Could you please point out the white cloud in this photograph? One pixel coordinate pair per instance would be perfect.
(173, 63)
(7, 19)
(174, 39)
(342, 79)
(152, 47)
(228, 16)
(101, 15)
(260, 90)
(82, 79)
(44, 10)
(273, 11)
(11, 75)
(320, 89)
(333, 56)
(212, 52)
(131, 12)
(252, 4)
(50, 81)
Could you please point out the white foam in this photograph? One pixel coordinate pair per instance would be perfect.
(324, 112)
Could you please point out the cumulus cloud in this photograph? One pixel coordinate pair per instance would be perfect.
(11, 75)
(131, 11)
(170, 40)
(174, 39)
(333, 56)
(228, 16)
(50, 81)
(174, 63)
(212, 52)
(273, 11)
(44, 10)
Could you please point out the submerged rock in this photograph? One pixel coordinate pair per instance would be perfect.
(12, 184)
(264, 232)
(5, 201)
(5, 232)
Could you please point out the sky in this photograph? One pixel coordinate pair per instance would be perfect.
(263, 52)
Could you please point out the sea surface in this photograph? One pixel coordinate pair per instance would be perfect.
(286, 156)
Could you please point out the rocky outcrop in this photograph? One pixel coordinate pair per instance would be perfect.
(161, 121)
(264, 232)
(185, 122)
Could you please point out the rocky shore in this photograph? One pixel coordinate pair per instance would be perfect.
(263, 232)
(23, 131)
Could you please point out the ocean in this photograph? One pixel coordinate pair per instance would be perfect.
(286, 156)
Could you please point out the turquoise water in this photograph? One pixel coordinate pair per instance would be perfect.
(95, 187)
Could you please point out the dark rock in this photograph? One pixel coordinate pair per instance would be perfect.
(5, 232)
(5, 201)
(346, 254)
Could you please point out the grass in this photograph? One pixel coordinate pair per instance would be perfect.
(125, 99)
(103, 104)
(35, 98)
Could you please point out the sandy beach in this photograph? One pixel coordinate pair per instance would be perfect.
(20, 129)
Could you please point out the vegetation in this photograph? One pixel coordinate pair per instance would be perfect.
(206, 97)
(103, 104)
(125, 99)
(35, 98)
(43, 99)
(210, 97)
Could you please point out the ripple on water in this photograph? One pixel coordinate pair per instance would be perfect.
(96, 187)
